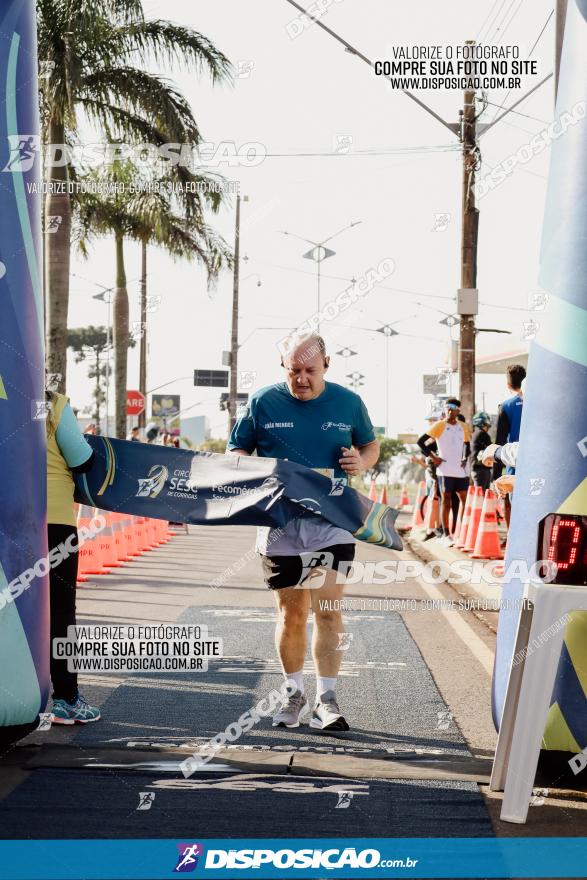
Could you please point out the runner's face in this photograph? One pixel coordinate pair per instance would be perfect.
(304, 371)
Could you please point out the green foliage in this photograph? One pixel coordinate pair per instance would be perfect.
(390, 447)
(213, 444)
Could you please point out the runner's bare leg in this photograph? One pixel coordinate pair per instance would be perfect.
(291, 630)
(328, 626)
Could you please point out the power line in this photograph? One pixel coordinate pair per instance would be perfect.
(537, 40)
(503, 33)
(540, 34)
(350, 280)
(393, 151)
(486, 19)
(518, 112)
(490, 25)
(498, 22)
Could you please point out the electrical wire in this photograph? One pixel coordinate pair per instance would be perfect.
(536, 41)
(361, 154)
(486, 19)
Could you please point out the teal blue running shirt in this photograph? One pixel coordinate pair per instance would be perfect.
(309, 432)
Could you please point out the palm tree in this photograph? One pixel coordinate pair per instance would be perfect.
(89, 51)
(149, 216)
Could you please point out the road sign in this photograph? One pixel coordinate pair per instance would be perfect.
(240, 400)
(165, 405)
(434, 383)
(211, 378)
(135, 403)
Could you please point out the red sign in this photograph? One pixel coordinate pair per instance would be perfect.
(135, 403)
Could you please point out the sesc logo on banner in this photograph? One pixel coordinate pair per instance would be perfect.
(151, 485)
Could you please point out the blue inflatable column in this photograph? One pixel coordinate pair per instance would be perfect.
(24, 611)
(551, 476)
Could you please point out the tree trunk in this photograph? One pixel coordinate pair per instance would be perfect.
(143, 337)
(57, 246)
(120, 327)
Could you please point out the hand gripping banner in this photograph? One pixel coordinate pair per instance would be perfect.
(551, 472)
(24, 620)
(209, 489)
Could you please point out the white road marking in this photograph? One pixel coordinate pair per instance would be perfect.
(464, 631)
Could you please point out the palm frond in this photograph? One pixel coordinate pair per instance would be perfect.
(170, 43)
(146, 94)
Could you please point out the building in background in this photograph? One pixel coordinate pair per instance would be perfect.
(196, 429)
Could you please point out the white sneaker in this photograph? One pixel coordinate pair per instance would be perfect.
(294, 708)
(327, 715)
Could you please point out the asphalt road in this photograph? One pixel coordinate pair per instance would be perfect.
(415, 687)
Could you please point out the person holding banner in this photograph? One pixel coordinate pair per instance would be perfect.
(324, 426)
(67, 451)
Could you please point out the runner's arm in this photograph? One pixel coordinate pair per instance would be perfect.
(369, 454)
(501, 435)
(507, 454)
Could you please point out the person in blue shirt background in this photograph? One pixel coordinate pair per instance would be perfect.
(324, 426)
(509, 420)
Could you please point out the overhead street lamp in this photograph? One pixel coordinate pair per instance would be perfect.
(318, 253)
(356, 379)
(388, 332)
(346, 353)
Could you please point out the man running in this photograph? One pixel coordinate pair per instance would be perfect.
(453, 439)
(323, 426)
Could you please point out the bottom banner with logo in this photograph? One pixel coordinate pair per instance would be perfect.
(209, 489)
(227, 858)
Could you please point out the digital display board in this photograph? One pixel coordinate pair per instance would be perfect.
(562, 540)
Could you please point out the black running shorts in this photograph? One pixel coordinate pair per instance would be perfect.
(289, 571)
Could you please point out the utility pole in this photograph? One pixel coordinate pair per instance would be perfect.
(143, 336)
(469, 235)
(232, 393)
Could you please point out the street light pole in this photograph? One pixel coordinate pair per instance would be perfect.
(232, 392)
(469, 236)
(346, 353)
(318, 253)
(103, 298)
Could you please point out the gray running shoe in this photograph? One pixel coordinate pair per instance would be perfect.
(327, 715)
(291, 711)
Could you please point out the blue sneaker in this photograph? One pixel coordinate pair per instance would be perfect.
(79, 712)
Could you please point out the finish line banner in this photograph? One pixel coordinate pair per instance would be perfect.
(204, 488)
(286, 857)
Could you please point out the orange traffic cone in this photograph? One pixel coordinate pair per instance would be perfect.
(118, 537)
(141, 533)
(476, 507)
(383, 496)
(106, 541)
(462, 538)
(417, 518)
(89, 555)
(162, 536)
(487, 543)
(432, 518)
(373, 491)
(404, 498)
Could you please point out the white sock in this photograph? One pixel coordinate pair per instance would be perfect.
(297, 678)
(324, 684)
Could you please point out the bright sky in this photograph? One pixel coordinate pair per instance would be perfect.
(404, 167)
